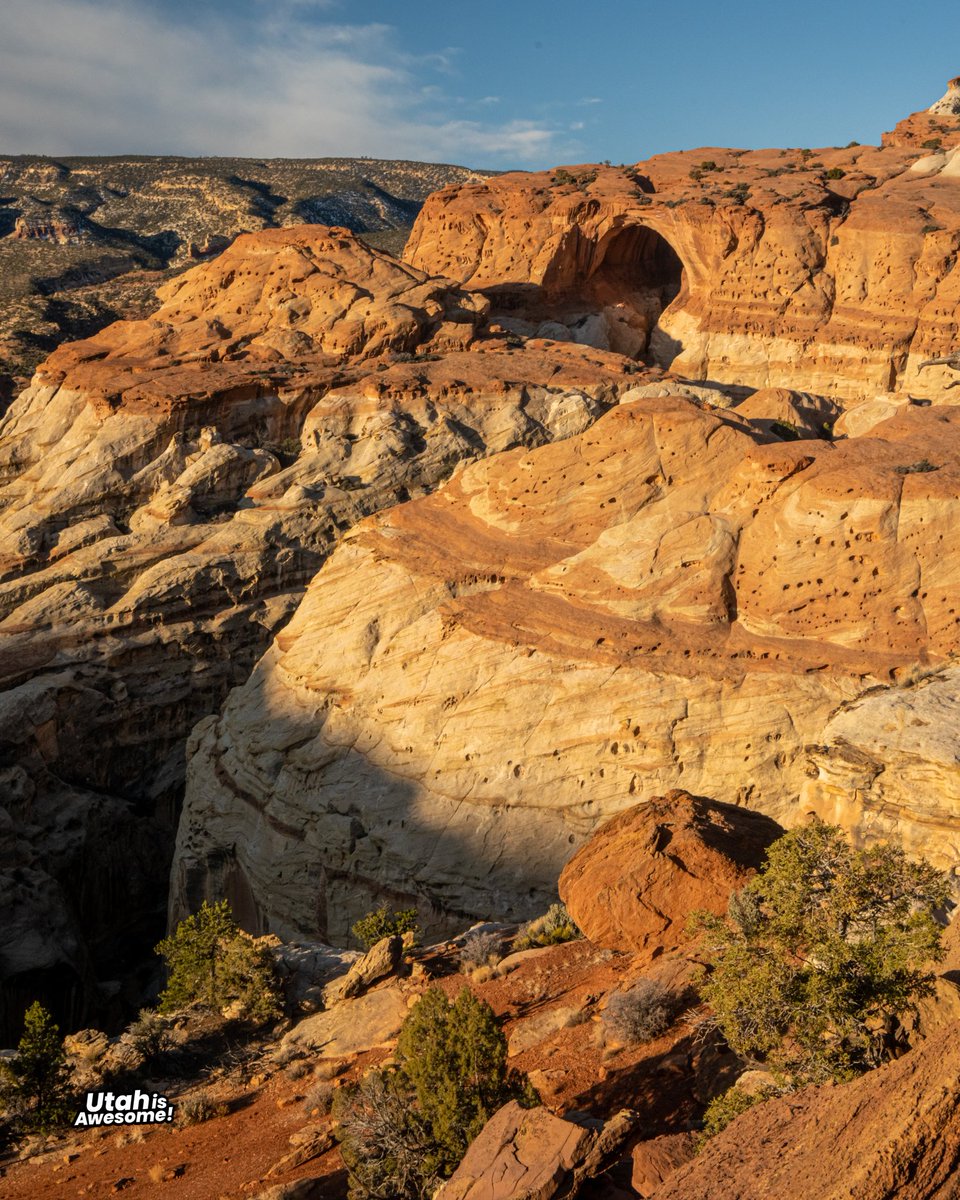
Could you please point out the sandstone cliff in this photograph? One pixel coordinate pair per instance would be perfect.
(829, 270)
(476, 679)
(167, 489)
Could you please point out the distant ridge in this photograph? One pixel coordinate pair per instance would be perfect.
(85, 241)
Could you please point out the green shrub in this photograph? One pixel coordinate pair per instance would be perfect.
(834, 173)
(932, 143)
(212, 963)
(923, 467)
(35, 1082)
(786, 430)
(381, 923)
(727, 1107)
(404, 1128)
(555, 926)
(820, 952)
(740, 192)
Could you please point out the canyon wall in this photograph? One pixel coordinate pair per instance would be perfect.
(476, 679)
(826, 270)
(168, 489)
(736, 591)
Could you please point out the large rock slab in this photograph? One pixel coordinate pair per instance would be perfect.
(893, 1134)
(363, 1023)
(533, 1154)
(477, 680)
(633, 886)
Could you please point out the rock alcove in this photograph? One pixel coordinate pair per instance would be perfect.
(611, 292)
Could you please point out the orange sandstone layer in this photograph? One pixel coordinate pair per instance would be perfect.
(829, 269)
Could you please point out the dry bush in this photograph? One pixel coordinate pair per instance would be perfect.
(330, 1068)
(199, 1108)
(297, 1069)
(555, 926)
(319, 1100)
(640, 1014)
(481, 949)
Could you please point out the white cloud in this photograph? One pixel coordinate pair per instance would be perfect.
(112, 77)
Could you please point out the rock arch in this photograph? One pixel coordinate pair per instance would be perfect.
(612, 288)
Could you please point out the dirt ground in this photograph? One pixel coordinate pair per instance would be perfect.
(551, 999)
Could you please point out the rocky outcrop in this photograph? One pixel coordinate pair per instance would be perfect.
(893, 1133)
(85, 241)
(633, 886)
(937, 126)
(476, 680)
(531, 1153)
(167, 489)
(828, 270)
(654, 1161)
(888, 766)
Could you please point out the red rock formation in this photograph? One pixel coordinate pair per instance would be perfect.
(939, 124)
(633, 886)
(893, 1134)
(828, 269)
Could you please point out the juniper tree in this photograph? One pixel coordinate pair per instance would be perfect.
(211, 962)
(404, 1128)
(36, 1087)
(821, 952)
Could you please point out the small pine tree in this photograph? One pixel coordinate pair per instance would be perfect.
(37, 1077)
(381, 923)
(212, 963)
(455, 1056)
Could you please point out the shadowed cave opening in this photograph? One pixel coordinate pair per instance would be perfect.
(609, 292)
(630, 279)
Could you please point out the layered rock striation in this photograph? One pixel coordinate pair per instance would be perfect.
(475, 680)
(167, 489)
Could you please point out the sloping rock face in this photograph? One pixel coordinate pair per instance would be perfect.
(633, 886)
(889, 755)
(827, 270)
(478, 679)
(167, 489)
(894, 1133)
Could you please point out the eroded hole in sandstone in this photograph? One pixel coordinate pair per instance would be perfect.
(612, 292)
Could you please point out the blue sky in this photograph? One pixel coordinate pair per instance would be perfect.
(499, 84)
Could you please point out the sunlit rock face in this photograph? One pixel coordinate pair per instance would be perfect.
(825, 270)
(476, 679)
(168, 489)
